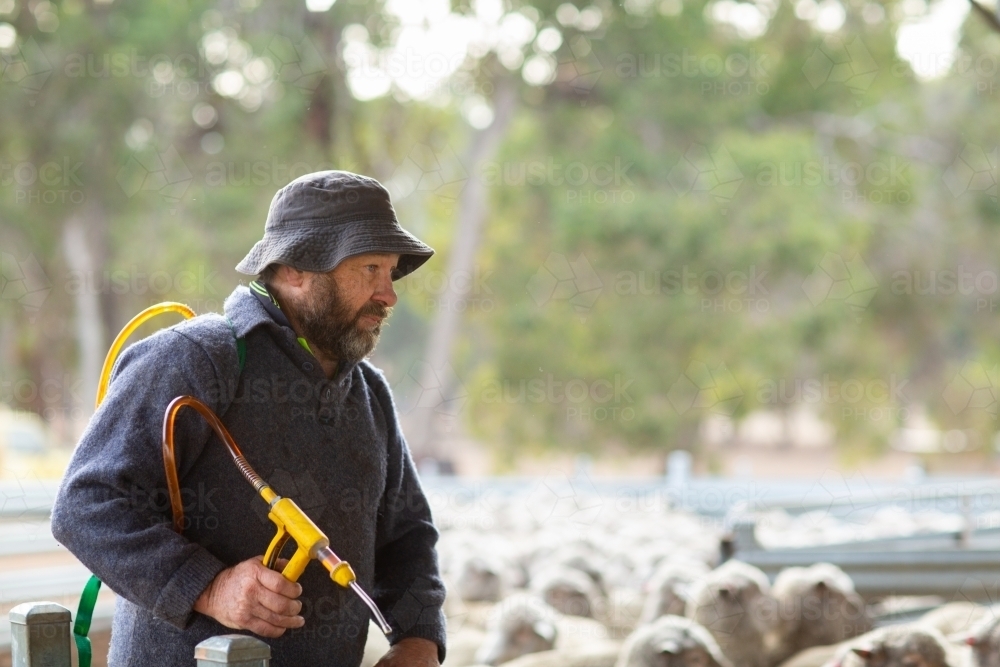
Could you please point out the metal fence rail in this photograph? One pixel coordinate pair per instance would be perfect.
(705, 495)
(962, 575)
(48, 582)
(27, 498)
(955, 566)
(21, 538)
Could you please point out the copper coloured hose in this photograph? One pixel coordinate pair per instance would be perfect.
(287, 516)
(170, 461)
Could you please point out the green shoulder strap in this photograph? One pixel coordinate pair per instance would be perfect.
(84, 615)
(88, 599)
(241, 346)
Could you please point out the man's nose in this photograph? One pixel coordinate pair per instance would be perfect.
(385, 294)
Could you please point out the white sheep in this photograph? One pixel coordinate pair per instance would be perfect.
(908, 645)
(734, 604)
(479, 580)
(984, 639)
(568, 590)
(955, 617)
(520, 624)
(817, 656)
(668, 589)
(671, 641)
(816, 606)
(599, 655)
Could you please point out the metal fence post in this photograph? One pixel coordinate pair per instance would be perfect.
(39, 635)
(234, 651)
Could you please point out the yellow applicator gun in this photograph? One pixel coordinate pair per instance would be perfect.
(291, 521)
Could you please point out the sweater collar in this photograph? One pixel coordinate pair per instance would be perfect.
(273, 309)
(247, 311)
(269, 302)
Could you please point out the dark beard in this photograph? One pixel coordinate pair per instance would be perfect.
(329, 325)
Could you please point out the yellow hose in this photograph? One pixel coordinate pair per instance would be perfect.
(88, 600)
(134, 323)
(291, 521)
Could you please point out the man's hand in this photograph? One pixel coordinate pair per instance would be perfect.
(411, 652)
(248, 596)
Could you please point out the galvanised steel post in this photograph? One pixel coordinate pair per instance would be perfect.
(40, 635)
(234, 651)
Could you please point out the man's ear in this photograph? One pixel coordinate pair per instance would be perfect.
(290, 276)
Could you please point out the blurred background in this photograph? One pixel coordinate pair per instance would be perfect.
(764, 233)
(678, 241)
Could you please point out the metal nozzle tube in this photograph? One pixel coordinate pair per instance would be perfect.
(376, 614)
(342, 573)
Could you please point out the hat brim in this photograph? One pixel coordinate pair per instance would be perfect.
(320, 247)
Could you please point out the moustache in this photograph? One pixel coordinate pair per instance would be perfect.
(375, 309)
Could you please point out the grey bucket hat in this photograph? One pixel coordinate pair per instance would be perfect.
(320, 219)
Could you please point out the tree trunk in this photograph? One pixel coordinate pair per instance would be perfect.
(436, 374)
(82, 261)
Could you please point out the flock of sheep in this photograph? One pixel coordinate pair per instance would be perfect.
(574, 582)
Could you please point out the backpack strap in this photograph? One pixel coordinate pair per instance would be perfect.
(88, 600)
(84, 615)
(241, 345)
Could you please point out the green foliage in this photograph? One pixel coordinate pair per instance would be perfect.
(659, 246)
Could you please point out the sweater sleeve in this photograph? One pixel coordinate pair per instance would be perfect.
(408, 586)
(112, 510)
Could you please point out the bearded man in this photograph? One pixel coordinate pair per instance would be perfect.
(285, 370)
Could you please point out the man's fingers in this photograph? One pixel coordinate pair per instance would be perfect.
(277, 620)
(264, 629)
(274, 581)
(279, 604)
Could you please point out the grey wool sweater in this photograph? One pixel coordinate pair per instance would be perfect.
(333, 446)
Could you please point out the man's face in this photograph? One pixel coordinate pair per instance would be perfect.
(342, 311)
